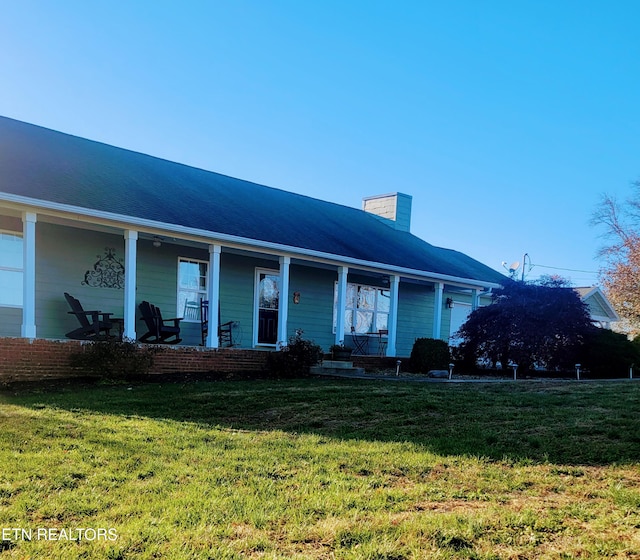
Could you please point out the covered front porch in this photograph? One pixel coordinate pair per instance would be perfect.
(266, 292)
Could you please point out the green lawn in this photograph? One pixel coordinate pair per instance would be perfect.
(322, 469)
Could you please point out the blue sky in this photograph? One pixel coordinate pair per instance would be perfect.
(505, 120)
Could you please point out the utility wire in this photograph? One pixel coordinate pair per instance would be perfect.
(567, 269)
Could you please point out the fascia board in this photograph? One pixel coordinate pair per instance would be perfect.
(78, 213)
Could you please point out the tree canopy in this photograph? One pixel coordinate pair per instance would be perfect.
(543, 323)
(621, 274)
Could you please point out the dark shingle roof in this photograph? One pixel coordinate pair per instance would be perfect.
(51, 166)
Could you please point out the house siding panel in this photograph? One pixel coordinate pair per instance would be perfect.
(63, 256)
(10, 321)
(237, 287)
(596, 307)
(314, 313)
(415, 316)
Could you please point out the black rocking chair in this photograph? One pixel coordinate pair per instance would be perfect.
(225, 337)
(160, 331)
(94, 325)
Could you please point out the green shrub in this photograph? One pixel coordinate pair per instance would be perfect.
(428, 354)
(609, 354)
(295, 359)
(113, 359)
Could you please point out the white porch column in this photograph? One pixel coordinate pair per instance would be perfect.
(29, 220)
(475, 300)
(343, 271)
(130, 282)
(213, 284)
(283, 302)
(437, 310)
(392, 325)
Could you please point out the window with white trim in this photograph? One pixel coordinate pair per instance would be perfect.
(192, 287)
(366, 308)
(11, 269)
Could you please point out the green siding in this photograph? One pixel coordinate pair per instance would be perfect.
(63, 256)
(314, 313)
(237, 291)
(596, 307)
(415, 315)
(10, 321)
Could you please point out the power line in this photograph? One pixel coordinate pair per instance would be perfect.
(566, 269)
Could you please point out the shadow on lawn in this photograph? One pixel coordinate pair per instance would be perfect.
(558, 422)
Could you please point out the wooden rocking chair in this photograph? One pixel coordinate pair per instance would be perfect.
(94, 325)
(160, 331)
(225, 337)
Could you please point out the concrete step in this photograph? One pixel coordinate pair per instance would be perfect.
(336, 364)
(329, 368)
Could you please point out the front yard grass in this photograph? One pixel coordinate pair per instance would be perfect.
(322, 469)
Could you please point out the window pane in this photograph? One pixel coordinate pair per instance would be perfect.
(203, 276)
(351, 296)
(366, 297)
(192, 287)
(348, 320)
(10, 250)
(364, 322)
(384, 301)
(10, 288)
(382, 321)
(269, 292)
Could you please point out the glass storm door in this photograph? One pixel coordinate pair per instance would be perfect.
(268, 291)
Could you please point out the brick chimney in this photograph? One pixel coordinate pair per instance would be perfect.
(393, 208)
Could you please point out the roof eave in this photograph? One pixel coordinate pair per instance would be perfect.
(123, 221)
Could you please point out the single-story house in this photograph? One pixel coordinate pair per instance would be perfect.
(113, 228)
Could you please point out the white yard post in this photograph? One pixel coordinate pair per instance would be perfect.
(29, 220)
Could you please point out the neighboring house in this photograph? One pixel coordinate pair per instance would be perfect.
(114, 227)
(600, 309)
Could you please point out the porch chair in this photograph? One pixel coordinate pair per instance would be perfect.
(191, 311)
(94, 325)
(160, 331)
(225, 337)
(360, 343)
(382, 342)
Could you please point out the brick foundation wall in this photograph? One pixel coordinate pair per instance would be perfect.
(23, 359)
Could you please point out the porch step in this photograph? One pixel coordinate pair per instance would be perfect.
(329, 367)
(336, 364)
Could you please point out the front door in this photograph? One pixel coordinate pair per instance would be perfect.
(267, 300)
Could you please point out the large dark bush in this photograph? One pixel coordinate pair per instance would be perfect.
(428, 354)
(112, 359)
(609, 354)
(295, 359)
(532, 324)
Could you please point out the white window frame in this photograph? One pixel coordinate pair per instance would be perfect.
(19, 270)
(200, 293)
(375, 311)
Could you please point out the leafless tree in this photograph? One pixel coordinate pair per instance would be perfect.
(620, 275)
